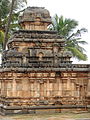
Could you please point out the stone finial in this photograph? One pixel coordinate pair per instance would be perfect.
(35, 18)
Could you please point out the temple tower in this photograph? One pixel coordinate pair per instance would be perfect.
(36, 69)
(35, 19)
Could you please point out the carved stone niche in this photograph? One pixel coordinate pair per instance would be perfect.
(45, 75)
(40, 55)
(58, 74)
(52, 74)
(24, 59)
(55, 48)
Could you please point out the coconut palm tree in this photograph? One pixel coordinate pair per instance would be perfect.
(4, 10)
(14, 3)
(66, 27)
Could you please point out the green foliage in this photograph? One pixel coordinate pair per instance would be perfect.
(19, 4)
(13, 5)
(66, 27)
(14, 22)
(4, 10)
(1, 36)
(13, 26)
(5, 6)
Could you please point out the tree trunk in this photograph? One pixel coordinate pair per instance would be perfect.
(8, 25)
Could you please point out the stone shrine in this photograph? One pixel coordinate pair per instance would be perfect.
(37, 72)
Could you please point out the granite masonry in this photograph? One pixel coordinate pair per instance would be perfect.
(37, 72)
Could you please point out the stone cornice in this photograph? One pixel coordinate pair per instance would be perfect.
(35, 35)
(72, 67)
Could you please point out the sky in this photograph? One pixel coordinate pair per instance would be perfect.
(74, 9)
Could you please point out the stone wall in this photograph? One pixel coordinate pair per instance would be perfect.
(65, 87)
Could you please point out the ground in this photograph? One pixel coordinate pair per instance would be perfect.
(54, 116)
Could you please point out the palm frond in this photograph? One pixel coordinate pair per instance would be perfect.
(1, 36)
(63, 25)
(81, 49)
(82, 42)
(77, 53)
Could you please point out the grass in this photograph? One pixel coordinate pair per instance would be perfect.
(53, 116)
